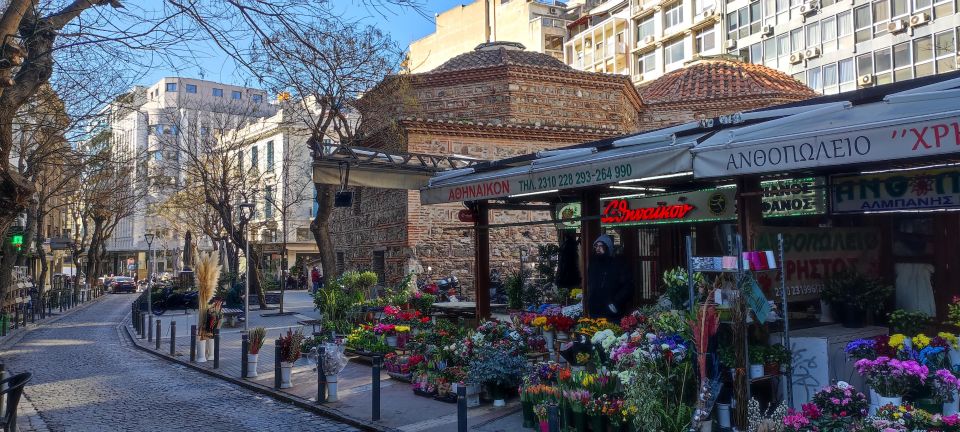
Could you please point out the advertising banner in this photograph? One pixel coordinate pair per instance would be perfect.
(914, 190)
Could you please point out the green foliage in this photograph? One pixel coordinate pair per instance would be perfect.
(358, 281)
(340, 300)
(496, 366)
(547, 262)
(423, 303)
(664, 395)
(514, 286)
(676, 288)
(908, 323)
(230, 289)
(778, 354)
(850, 287)
(758, 354)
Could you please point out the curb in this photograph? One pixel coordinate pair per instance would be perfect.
(282, 397)
(14, 337)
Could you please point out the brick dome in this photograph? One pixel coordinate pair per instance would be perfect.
(718, 78)
(501, 54)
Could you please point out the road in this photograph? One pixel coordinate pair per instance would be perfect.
(88, 377)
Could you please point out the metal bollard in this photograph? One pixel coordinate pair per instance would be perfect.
(321, 377)
(173, 338)
(276, 364)
(461, 408)
(193, 343)
(377, 362)
(553, 418)
(16, 317)
(216, 348)
(149, 328)
(158, 334)
(244, 347)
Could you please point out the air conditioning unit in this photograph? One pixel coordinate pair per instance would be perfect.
(796, 57)
(896, 26)
(810, 7)
(648, 40)
(637, 77)
(865, 80)
(731, 44)
(709, 13)
(811, 53)
(919, 19)
(767, 30)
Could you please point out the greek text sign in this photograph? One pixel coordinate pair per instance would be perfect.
(903, 141)
(915, 190)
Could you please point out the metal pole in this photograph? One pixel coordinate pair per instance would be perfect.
(216, 348)
(377, 361)
(786, 320)
(690, 287)
(173, 338)
(244, 348)
(149, 279)
(321, 377)
(158, 334)
(461, 408)
(193, 343)
(276, 364)
(149, 328)
(246, 287)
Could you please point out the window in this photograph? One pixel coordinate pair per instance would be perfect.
(269, 155)
(157, 129)
(828, 33)
(783, 45)
(171, 87)
(881, 14)
(732, 26)
(942, 8)
(813, 78)
(756, 53)
(813, 35)
(920, 5)
(204, 131)
(770, 52)
(644, 29)
(673, 55)
(902, 69)
(218, 92)
(847, 77)
(191, 88)
(379, 265)
(945, 48)
(158, 156)
(673, 16)
(268, 202)
(257, 98)
(882, 65)
(647, 62)
(703, 5)
(706, 40)
(899, 8)
(923, 56)
(865, 65)
(796, 40)
(254, 164)
(830, 75)
(235, 95)
(862, 23)
(755, 17)
(743, 18)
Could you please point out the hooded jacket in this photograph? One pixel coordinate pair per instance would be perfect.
(609, 282)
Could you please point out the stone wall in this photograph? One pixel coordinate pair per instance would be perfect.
(376, 222)
(655, 116)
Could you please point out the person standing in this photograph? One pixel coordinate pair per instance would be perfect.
(315, 278)
(608, 282)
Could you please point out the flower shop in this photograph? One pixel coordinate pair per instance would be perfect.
(790, 269)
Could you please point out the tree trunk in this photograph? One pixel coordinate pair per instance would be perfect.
(320, 226)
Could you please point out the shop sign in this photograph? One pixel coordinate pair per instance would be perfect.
(892, 142)
(914, 190)
(812, 254)
(793, 197)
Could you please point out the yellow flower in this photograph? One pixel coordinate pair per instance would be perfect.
(540, 321)
(402, 328)
(950, 338)
(920, 341)
(576, 293)
(896, 341)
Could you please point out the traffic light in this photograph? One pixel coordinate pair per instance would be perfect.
(17, 241)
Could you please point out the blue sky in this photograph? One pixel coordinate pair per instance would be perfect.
(404, 26)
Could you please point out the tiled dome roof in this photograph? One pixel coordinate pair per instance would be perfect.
(722, 79)
(500, 54)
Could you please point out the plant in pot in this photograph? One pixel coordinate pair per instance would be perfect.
(907, 323)
(944, 386)
(498, 369)
(776, 358)
(208, 316)
(514, 287)
(333, 362)
(854, 295)
(289, 353)
(758, 355)
(578, 400)
(254, 343)
(892, 378)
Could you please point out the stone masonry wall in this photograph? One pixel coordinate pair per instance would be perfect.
(376, 222)
(662, 115)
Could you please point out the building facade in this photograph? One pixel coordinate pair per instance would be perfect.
(828, 45)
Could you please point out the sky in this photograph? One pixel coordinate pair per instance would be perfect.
(404, 26)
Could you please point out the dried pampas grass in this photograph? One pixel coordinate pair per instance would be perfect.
(207, 273)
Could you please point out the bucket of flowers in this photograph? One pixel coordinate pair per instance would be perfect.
(892, 378)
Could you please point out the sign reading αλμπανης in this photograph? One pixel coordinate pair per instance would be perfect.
(904, 190)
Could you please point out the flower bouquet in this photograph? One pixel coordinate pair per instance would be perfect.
(578, 401)
(892, 378)
(841, 401)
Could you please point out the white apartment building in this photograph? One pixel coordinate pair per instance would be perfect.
(829, 45)
(149, 124)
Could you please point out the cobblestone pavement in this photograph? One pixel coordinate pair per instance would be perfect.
(87, 377)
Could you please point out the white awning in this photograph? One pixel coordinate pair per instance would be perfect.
(921, 122)
(619, 164)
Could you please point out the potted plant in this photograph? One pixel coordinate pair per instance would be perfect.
(333, 362)
(909, 324)
(208, 316)
(254, 343)
(289, 353)
(854, 295)
(758, 355)
(498, 369)
(578, 401)
(776, 359)
(892, 378)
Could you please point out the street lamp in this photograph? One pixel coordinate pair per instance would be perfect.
(247, 210)
(149, 239)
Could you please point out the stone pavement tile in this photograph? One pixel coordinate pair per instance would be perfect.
(28, 419)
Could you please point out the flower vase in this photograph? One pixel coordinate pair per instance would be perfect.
(496, 393)
(252, 360)
(598, 423)
(210, 353)
(954, 356)
(952, 407)
(883, 401)
(544, 426)
(285, 368)
(756, 371)
(548, 338)
(723, 415)
(580, 421)
(526, 407)
(392, 341)
(331, 388)
(907, 343)
(706, 426)
(473, 395)
(874, 400)
(201, 351)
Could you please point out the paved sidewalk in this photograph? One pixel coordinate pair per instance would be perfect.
(400, 408)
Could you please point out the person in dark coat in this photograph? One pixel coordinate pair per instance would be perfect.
(609, 285)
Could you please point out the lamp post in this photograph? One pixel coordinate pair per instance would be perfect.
(247, 209)
(149, 239)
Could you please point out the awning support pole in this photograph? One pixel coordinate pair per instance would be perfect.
(482, 257)
(589, 231)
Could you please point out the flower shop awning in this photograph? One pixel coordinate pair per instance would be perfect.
(921, 122)
(629, 159)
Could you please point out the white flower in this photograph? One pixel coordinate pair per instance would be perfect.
(842, 385)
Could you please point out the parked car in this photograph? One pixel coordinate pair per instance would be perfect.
(123, 284)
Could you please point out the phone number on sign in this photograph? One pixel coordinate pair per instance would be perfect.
(579, 178)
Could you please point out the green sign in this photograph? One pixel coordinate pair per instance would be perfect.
(757, 301)
(16, 240)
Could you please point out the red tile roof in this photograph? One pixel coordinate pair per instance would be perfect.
(722, 79)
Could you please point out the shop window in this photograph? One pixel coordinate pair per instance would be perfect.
(883, 66)
(902, 69)
(863, 24)
(706, 40)
(945, 49)
(923, 56)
